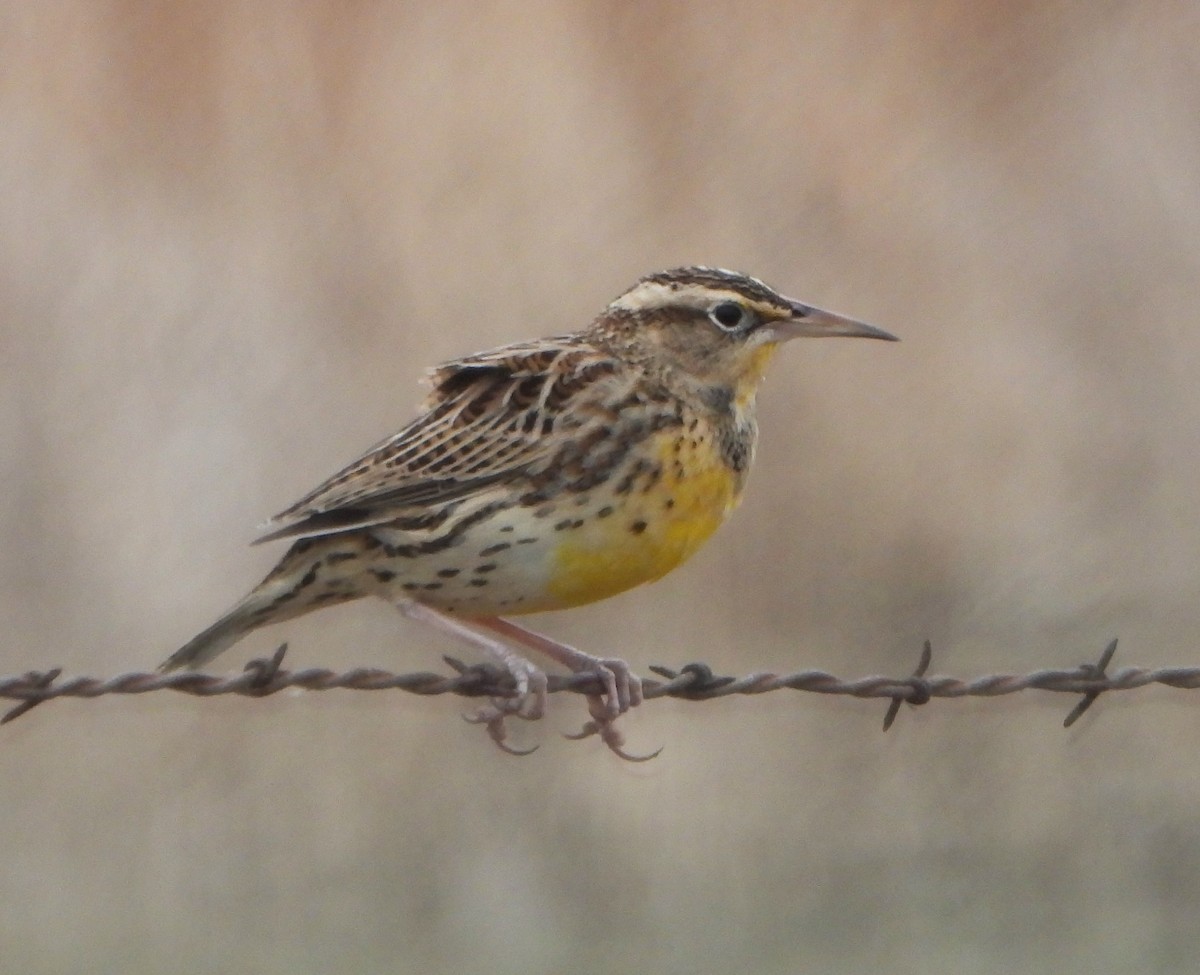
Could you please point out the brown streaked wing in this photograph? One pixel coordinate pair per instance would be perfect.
(488, 418)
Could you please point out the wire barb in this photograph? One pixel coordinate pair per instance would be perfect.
(919, 692)
(1096, 671)
(267, 670)
(691, 682)
(37, 680)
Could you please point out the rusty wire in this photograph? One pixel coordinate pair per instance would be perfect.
(694, 682)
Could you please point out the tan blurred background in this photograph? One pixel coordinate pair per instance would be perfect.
(232, 235)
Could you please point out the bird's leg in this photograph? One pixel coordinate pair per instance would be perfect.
(530, 699)
(622, 687)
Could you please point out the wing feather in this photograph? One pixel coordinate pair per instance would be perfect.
(487, 419)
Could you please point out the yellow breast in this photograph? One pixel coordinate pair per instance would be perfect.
(639, 535)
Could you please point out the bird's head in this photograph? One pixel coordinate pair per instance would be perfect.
(717, 326)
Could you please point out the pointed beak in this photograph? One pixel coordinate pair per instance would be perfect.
(809, 322)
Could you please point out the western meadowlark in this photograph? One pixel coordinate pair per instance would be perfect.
(544, 475)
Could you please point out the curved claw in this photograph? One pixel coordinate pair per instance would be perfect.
(612, 738)
(589, 729)
(637, 758)
(478, 717)
(519, 752)
(494, 720)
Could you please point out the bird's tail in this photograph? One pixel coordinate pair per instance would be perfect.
(218, 638)
(311, 574)
(271, 601)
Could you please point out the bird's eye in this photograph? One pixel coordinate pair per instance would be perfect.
(728, 314)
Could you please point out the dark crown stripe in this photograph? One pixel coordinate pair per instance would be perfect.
(716, 277)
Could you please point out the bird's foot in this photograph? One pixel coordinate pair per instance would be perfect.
(622, 687)
(528, 700)
(528, 703)
(604, 726)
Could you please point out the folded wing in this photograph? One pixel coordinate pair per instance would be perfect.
(488, 418)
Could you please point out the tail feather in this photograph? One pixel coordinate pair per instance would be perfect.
(212, 642)
(269, 602)
(308, 576)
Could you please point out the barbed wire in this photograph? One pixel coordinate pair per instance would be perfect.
(694, 682)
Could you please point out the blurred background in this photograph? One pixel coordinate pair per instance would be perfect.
(233, 235)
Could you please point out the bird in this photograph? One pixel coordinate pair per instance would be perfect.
(545, 475)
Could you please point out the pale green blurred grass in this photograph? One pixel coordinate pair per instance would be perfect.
(232, 236)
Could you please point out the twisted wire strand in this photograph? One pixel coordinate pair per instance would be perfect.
(695, 682)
